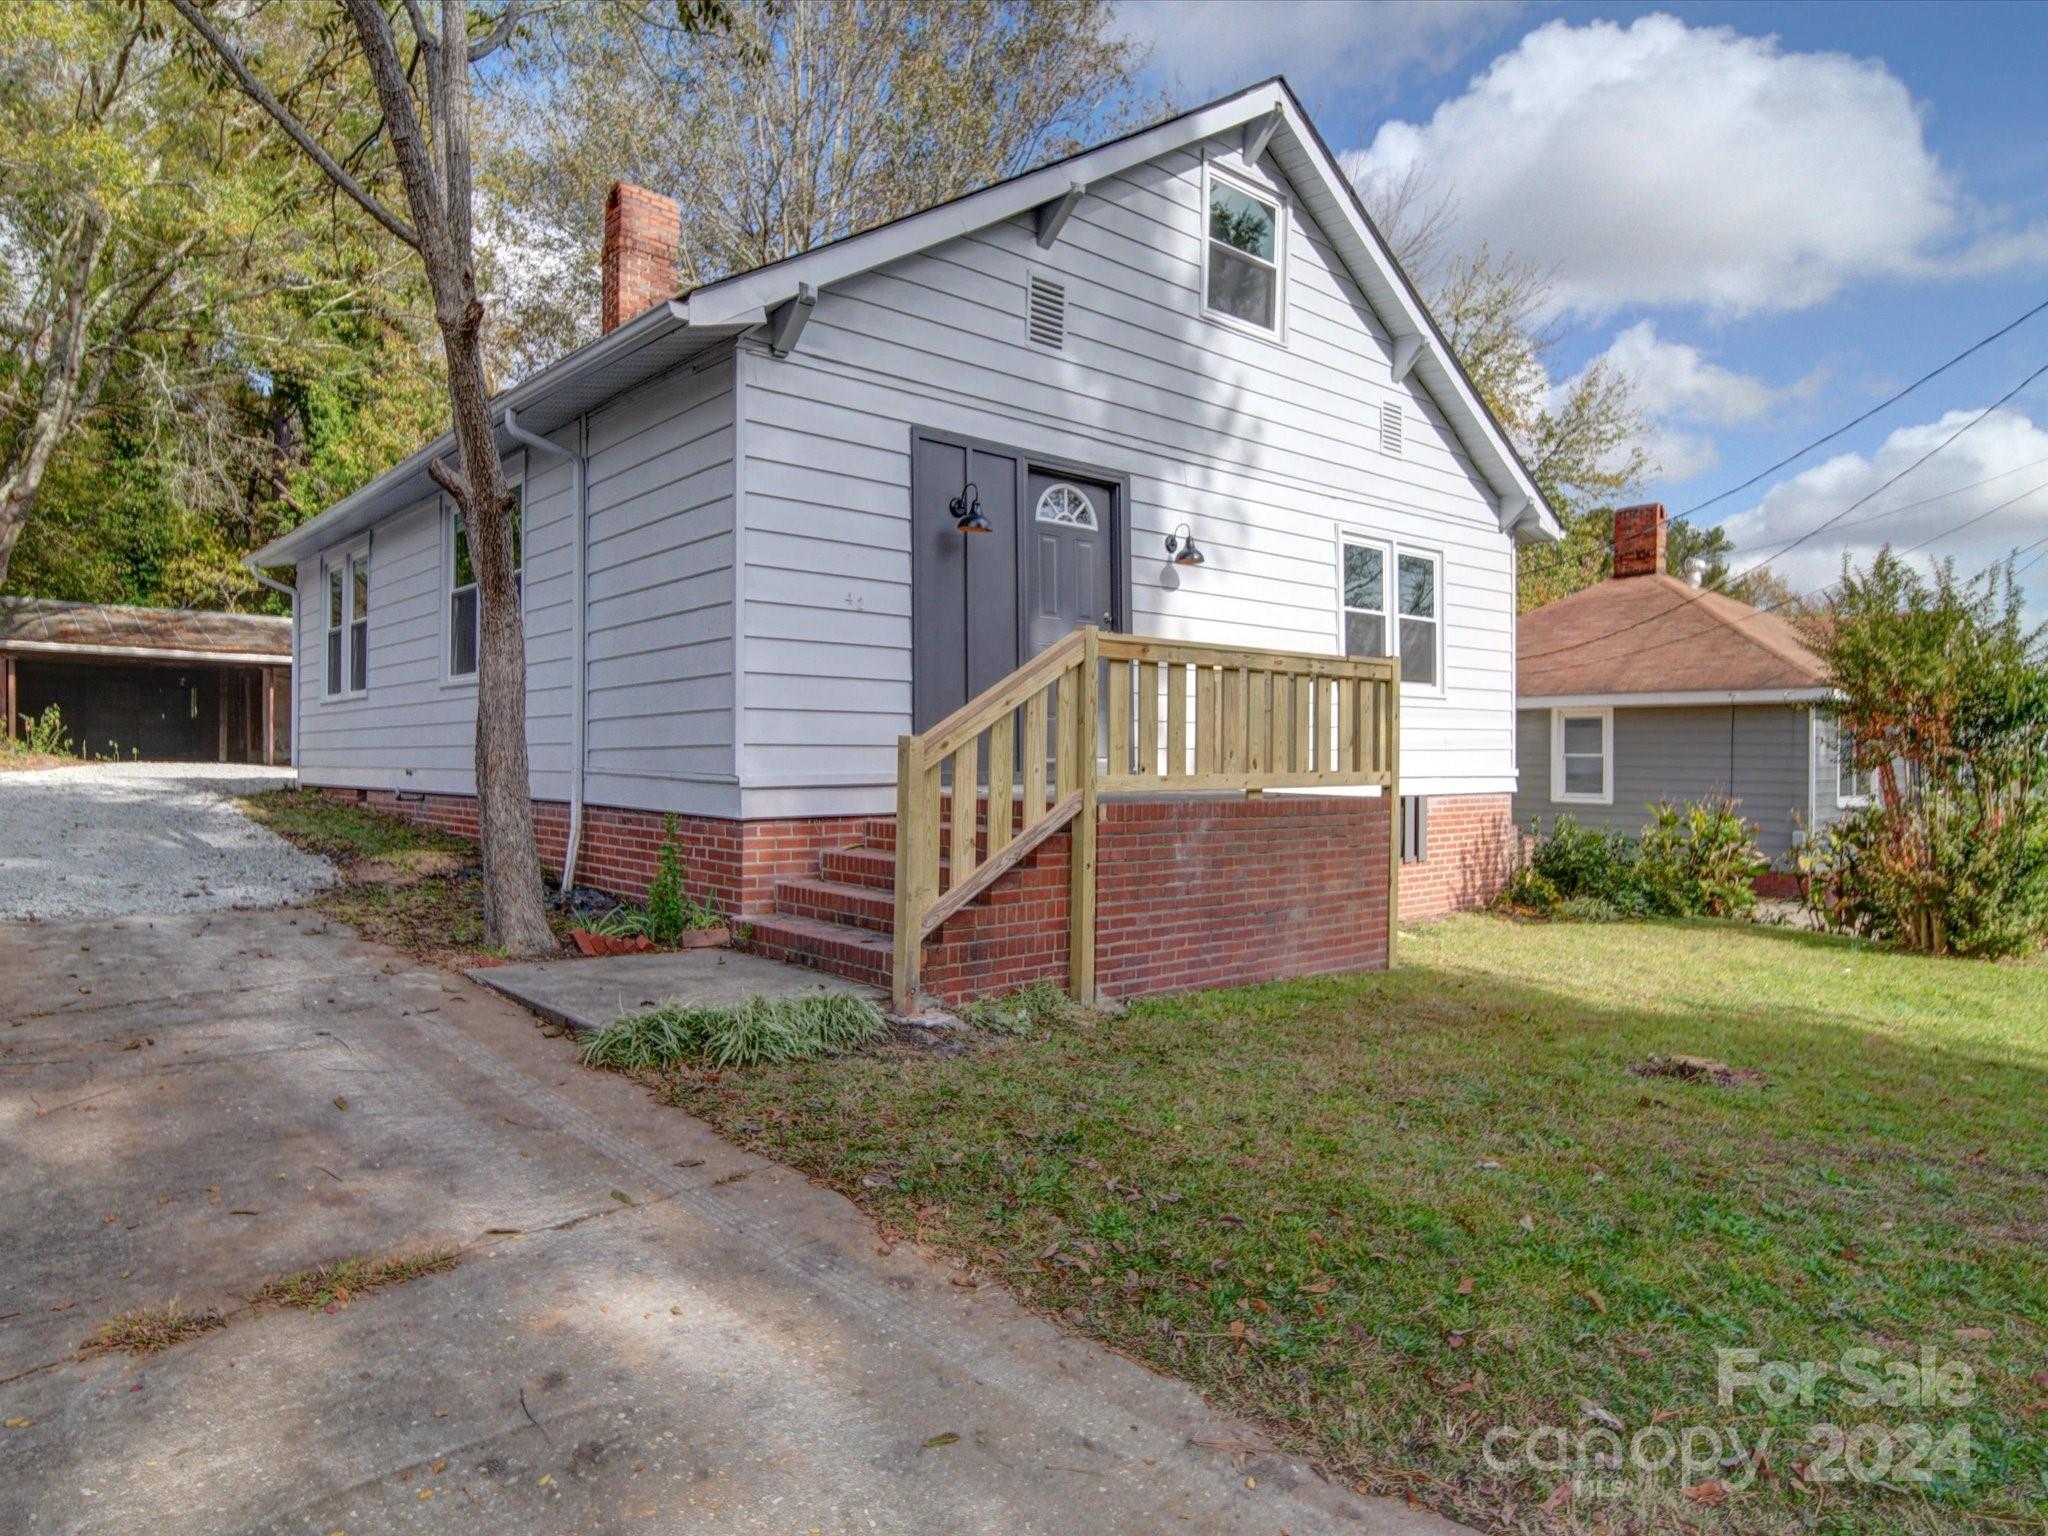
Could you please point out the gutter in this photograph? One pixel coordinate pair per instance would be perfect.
(579, 509)
(292, 593)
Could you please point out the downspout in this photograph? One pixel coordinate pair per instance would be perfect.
(579, 498)
(293, 594)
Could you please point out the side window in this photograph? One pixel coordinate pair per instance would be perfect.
(359, 622)
(1243, 255)
(1421, 623)
(336, 597)
(1582, 756)
(462, 596)
(1365, 599)
(1853, 785)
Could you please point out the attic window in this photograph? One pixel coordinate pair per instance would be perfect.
(1390, 430)
(1046, 313)
(1242, 256)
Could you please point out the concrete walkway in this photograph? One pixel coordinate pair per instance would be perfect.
(591, 993)
(649, 1330)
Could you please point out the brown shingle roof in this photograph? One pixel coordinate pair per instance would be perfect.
(1657, 634)
(44, 624)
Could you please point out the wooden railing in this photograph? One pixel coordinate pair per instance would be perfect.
(1120, 714)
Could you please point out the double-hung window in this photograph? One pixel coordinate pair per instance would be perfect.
(1582, 756)
(463, 632)
(348, 624)
(1852, 784)
(1393, 597)
(1242, 255)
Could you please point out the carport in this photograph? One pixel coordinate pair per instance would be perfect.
(164, 684)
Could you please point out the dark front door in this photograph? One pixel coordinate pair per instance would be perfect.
(983, 603)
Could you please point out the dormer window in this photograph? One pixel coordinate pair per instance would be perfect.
(1242, 254)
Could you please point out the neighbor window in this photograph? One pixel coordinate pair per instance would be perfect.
(1417, 617)
(1243, 278)
(1852, 784)
(1582, 756)
(348, 624)
(463, 633)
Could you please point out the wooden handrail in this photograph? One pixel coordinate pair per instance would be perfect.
(1116, 714)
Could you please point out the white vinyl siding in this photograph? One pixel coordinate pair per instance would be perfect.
(1268, 456)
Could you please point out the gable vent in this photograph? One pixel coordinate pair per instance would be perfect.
(1390, 430)
(1046, 313)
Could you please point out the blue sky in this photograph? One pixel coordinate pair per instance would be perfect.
(1772, 216)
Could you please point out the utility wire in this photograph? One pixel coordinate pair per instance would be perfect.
(1765, 474)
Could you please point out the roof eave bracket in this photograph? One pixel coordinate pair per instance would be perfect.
(1514, 506)
(1258, 136)
(1052, 217)
(787, 320)
(1408, 351)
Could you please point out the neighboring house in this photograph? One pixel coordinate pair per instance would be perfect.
(1647, 687)
(743, 572)
(168, 684)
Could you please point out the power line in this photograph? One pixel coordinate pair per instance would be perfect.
(1972, 522)
(1909, 506)
(1765, 474)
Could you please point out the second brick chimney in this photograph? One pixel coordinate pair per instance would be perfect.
(642, 236)
(1639, 540)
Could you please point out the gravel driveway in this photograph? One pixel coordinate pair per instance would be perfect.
(113, 839)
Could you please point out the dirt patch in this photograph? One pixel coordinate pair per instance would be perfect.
(408, 868)
(36, 762)
(149, 1331)
(1699, 1069)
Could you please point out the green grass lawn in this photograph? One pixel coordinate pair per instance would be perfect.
(1384, 1215)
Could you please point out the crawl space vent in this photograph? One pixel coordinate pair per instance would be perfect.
(1046, 316)
(1390, 430)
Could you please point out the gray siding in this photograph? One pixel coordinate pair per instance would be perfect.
(1755, 752)
(659, 649)
(1268, 449)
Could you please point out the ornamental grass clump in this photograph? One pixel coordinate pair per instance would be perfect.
(758, 1031)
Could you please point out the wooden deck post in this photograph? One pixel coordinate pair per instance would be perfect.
(1391, 738)
(1087, 740)
(917, 847)
(7, 696)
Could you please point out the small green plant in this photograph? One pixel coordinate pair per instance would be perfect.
(44, 735)
(1033, 1010)
(670, 912)
(757, 1031)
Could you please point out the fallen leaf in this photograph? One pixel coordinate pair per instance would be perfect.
(622, 1197)
(1465, 1286)
(1712, 1493)
(1320, 1288)
(426, 1494)
(19, 1423)
(1559, 1497)
(544, 1479)
(1598, 1301)
(440, 1467)
(948, 1438)
(340, 1102)
(1237, 1327)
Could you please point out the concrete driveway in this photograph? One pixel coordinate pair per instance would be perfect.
(649, 1330)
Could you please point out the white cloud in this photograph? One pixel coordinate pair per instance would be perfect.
(1208, 47)
(1661, 164)
(2002, 460)
(1682, 391)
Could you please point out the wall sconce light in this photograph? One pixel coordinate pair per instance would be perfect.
(966, 510)
(1181, 545)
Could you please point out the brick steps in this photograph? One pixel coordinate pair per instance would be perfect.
(859, 954)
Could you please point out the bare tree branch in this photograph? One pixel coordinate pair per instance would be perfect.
(258, 93)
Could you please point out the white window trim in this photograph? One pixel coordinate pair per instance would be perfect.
(1393, 549)
(1558, 794)
(336, 562)
(1827, 741)
(451, 518)
(1277, 332)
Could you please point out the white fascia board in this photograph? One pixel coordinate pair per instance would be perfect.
(1675, 700)
(725, 302)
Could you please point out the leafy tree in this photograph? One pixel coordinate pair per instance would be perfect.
(806, 121)
(1943, 695)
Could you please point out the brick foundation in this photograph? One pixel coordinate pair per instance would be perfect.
(733, 864)
(1472, 842)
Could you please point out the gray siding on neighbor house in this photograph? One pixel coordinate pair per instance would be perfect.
(659, 584)
(1268, 448)
(1755, 752)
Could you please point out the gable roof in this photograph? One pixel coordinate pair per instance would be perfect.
(46, 626)
(1653, 635)
(673, 332)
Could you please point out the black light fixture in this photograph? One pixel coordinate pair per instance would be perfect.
(966, 510)
(1181, 545)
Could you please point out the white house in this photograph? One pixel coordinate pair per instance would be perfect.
(743, 571)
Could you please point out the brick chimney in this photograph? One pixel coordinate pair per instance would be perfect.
(642, 234)
(1639, 540)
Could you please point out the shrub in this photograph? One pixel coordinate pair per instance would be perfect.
(759, 1030)
(670, 911)
(44, 735)
(1943, 697)
(1691, 861)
